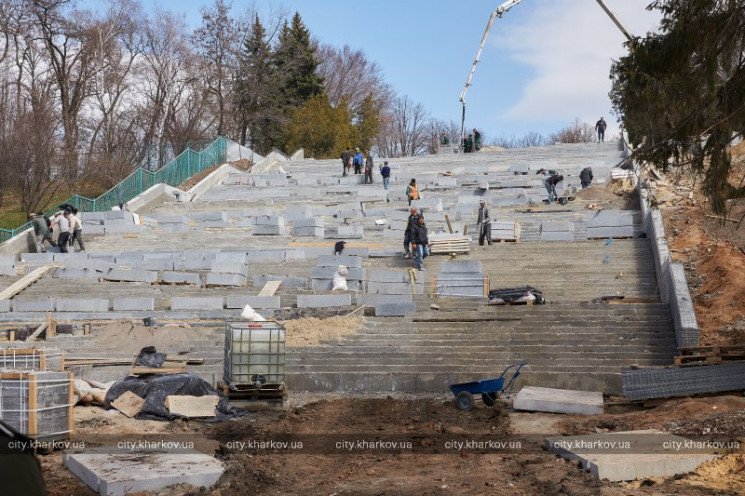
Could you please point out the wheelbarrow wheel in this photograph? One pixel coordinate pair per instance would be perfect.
(489, 399)
(465, 401)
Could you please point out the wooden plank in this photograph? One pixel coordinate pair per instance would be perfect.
(24, 282)
(192, 406)
(37, 332)
(11, 335)
(270, 288)
(129, 404)
(51, 326)
(33, 407)
(71, 403)
(450, 226)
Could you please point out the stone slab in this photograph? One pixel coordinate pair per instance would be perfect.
(7, 270)
(131, 275)
(269, 220)
(5, 306)
(317, 232)
(336, 260)
(155, 265)
(261, 302)
(269, 230)
(309, 222)
(328, 285)
(642, 456)
(394, 288)
(228, 267)
(181, 278)
(354, 232)
(372, 300)
(219, 279)
(288, 282)
(37, 257)
(395, 309)
(192, 263)
(541, 399)
(461, 266)
(610, 232)
(388, 275)
(556, 226)
(609, 218)
(323, 301)
(82, 304)
(557, 236)
(120, 474)
(134, 304)
(354, 273)
(40, 305)
(197, 303)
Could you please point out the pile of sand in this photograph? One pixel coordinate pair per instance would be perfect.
(128, 337)
(311, 331)
(595, 193)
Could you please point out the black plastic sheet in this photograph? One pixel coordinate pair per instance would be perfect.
(149, 357)
(511, 295)
(154, 388)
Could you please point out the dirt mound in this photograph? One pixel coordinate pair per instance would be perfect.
(595, 193)
(125, 336)
(311, 331)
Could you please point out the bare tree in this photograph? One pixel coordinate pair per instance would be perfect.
(436, 128)
(576, 132)
(403, 129)
(527, 140)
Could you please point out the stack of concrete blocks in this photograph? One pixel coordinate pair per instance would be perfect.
(47, 394)
(323, 273)
(505, 230)
(610, 224)
(557, 230)
(191, 261)
(7, 265)
(288, 282)
(228, 269)
(649, 383)
(131, 275)
(312, 226)
(395, 282)
(171, 223)
(269, 226)
(210, 220)
(461, 278)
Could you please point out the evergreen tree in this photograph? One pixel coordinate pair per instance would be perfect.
(256, 92)
(322, 130)
(681, 92)
(368, 122)
(295, 61)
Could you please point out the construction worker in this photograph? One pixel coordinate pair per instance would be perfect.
(63, 228)
(420, 242)
(553, 178)
(41, 232)
(385, 171)
(410, 224)
(76, 227)
(585, 177)
(412, 191)
(600, 127)
(358, 161)
(484, 224)
(369, 168)
(476, 140)
(346, 161)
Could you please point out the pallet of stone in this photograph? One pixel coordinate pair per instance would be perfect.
(506, 231)
(38, 404)
(32, 359)
(709, 355)
(448, 243)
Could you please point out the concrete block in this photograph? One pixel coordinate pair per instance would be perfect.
(460, 266)
(181, 278)
(76, 274)
(5, 306)
(610, 232)
(210, 216)
(262, 302)
(7, 270)
(226, 267)
(155, 265)
(328, 285)
(131, 259)
(131, 275)
(317, 232)
(388, 275)
(169, 227)
(322, 301)
(82, 305)
(352, 232)
(372, 300)
(269, 230)
(38, 258)
(270, 220)
(133, 304)
(216, 279)
(557, 236)
(556, 226)
(309, 222)
(395, 309)
(392, 288)
(40, 305)
(355, 273)
(348, 261)
(640, 455)
(540, 399)
(121, 474)
(192, 263)
(197, 303)
(288, 282)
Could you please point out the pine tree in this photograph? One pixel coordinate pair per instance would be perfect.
(367, 122)
(256, 92)
(321, 130)
(295, 61)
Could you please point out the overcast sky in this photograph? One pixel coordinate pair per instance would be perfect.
(547, 61)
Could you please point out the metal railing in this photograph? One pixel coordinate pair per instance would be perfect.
(185, 165)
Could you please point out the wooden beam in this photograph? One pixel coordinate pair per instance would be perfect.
(33, 407)
(51, 326)
(450, 226)
(24, 282)
(270, 288)
(37, 332)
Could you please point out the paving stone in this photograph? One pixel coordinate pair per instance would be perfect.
(197, 303)
(428, 205)
(355, 273)
(262, 302)
(38, 305)
(181, 278)
(643, 456)
(395, 309)
(82, 305)
(648, 383)
(168, 227)
(209, 216)
(131, 275)
(323, 301)
(460, 266)
(556, 226)
(215, 279)
(609, 218)
(134, 304)
(540, 399)
(295, 254)
(336, 260)
(121, 474)
(213, 224)
(266, 256)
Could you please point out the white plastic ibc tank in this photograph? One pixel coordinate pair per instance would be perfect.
(255, 349)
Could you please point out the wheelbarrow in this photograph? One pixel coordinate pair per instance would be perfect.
(489, 389)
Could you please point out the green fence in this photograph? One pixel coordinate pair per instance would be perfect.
(178, 170)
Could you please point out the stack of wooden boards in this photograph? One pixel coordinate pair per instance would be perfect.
(709, 355)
